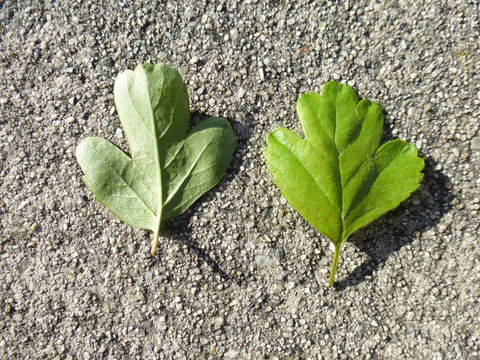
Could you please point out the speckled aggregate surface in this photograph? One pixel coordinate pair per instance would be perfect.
(241, 275)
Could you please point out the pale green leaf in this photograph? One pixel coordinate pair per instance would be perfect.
(339, 178)
(168, 167)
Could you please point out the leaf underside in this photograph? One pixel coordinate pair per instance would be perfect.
(339, 178)
(168, 167)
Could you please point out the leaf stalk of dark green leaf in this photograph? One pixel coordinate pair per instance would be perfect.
(336, 257)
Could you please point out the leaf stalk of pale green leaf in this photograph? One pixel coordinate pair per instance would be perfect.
(156, 235)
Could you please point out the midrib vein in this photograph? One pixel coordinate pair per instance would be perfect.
(339, 172)
(153, 131)
(157, 155)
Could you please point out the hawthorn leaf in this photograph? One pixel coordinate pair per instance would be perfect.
(339, 178)
(168, 167)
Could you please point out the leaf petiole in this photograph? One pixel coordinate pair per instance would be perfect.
(336, 256)
(156, 235)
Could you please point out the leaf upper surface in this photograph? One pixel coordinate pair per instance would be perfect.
(339, 178)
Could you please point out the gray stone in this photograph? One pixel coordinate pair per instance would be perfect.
(119, 133)
(264, 261)
(475, 144)
(108, 62)
(194, 60)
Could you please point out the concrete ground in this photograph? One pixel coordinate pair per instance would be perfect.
(240, 275)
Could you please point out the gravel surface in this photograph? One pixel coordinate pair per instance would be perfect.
(241, 275)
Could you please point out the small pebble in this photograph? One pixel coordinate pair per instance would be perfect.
(475, 144)
(218, 323)
(108, 62)
(241, 93)
(119, 133)
(261, 74)
(280, 252)
(264, 261)
(139, 296)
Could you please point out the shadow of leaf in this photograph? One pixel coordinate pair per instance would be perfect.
(435, 200)
(181, 223)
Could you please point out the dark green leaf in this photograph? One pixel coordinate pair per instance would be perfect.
(339, 178)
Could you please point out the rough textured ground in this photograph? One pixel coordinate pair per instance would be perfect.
(241, 275)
